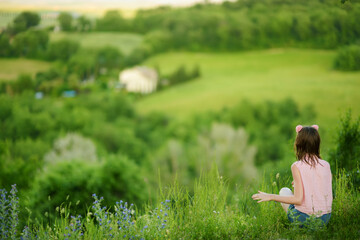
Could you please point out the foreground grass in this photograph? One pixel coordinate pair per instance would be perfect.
(125, 42)
(11, 68)
(304, 75)
(208, 213)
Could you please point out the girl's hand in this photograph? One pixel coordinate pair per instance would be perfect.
(262, 197)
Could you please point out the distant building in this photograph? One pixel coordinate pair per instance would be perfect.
(139, 79)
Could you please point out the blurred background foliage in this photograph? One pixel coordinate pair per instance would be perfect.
(60, 149)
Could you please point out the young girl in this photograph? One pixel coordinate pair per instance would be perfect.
(312, 181)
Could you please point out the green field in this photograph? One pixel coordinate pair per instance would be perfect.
(11, 68)
(125, 42)
(304, 75)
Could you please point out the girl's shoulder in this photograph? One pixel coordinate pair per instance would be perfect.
(324, 163)
(297, 164)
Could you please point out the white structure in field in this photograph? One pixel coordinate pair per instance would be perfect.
(139, 79)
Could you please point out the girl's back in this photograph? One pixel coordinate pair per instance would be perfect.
(317, 187)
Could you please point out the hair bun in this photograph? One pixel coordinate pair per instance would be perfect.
(315, 126)
(298, 128)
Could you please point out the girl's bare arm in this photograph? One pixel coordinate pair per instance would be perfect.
(296, 199)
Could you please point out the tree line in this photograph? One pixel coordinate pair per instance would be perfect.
(230, 26)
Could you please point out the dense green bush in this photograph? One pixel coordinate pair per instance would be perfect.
(348, 58)
(115, 178)
(83, 64)
(109, 57)
(30, 44)
(180, 75)
(52, 187)
(23, 83)
(5, 47)
(20, 160)
(62, 50)
(346, 154)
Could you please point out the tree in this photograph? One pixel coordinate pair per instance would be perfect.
(109, 57)
(346, 154)
(83, 24)
(24, 21)
(112, 21)
(83, 64)
(65, 20)
(31, 44)
(23, 83)
(62, 49)
(348, 58)
(5, 47)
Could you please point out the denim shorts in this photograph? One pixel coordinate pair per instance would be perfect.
(295, 215)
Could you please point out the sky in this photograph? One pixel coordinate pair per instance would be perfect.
(104, 4)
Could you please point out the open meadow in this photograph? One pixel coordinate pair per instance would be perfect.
(11, 68)
(227, 78)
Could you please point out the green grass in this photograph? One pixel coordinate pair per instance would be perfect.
(11, 68)
(208, 213)
(227, 78)
(125, 42)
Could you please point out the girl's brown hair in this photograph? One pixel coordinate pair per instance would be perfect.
(307, 146)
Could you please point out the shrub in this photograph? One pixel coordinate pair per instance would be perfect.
(123, 179)
(348, 58)
(5, 47)
(71, 183)
(23, 83)
(62, 50)
(346, 154)
(74, 181)
(30, 44)
(70, 147)
(109, 57)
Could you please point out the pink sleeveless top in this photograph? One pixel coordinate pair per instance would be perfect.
(317, 185)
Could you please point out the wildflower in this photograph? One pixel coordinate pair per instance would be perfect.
(277, 175)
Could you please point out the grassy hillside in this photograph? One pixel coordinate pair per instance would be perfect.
(125, 42)
(304, 75)
(11, 68)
